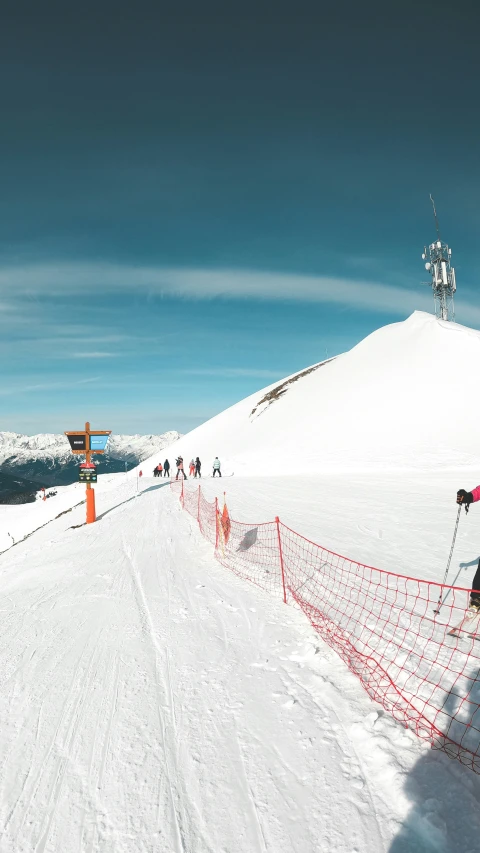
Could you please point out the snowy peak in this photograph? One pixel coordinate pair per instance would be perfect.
(392, 402)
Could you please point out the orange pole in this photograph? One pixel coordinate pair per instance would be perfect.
(91, 517)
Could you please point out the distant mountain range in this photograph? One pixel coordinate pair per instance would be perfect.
(28, 462)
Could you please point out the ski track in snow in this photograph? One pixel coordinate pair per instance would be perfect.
(152, 701)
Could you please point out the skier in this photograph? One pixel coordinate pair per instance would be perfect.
(180, 469)
(166, 468)
(159, 469)
(192, 467)
(198, 467)
(216, 467)
(467, 498)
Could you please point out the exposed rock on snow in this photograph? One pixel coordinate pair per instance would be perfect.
(279, 390)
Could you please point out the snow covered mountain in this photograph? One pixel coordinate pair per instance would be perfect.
(405, 397)
(25, 448)
(47, 459)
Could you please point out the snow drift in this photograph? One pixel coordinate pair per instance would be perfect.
(405, 397)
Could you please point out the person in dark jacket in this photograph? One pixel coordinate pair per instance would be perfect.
(467, 498)
(198, 467)
(166, 468)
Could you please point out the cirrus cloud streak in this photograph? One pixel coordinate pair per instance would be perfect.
(70, 279)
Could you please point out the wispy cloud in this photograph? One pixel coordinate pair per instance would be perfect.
(93, 355)
(14, 388)
(68, 279)
(233, 372)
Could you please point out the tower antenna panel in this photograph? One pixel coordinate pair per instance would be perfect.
(437, 259)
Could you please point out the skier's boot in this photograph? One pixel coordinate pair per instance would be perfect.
(475, 602)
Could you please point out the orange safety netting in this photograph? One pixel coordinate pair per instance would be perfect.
(381, 624)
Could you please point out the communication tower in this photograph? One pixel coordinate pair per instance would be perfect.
(437, 258)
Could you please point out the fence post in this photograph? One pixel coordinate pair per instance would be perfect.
(216, 523)
(198, 509)
(182, 501)
(277, 522)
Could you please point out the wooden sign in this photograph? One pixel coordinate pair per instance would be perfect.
(78, 441)
(85, 442)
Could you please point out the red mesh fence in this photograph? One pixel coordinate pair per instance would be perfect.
(410, 660)
(252, 553)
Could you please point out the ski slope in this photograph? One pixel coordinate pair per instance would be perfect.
(152, 701)
(142, 708)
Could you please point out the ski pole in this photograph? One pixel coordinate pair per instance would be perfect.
(440, 600)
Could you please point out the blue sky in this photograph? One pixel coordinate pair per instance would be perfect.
(198, 202)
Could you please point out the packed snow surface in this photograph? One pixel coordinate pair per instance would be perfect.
(151, 701)
(405, 397)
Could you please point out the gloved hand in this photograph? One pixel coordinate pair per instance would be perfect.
(464, 497)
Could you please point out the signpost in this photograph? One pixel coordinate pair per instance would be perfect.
(85, 443)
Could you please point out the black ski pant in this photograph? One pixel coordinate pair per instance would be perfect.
(476, 579)
(217, 471)
(197, 472)
(166, 472)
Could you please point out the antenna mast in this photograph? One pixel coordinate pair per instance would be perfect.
(435, 216)
(437, 257)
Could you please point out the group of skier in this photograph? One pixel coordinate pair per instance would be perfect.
(162, 469)
(195, 467)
